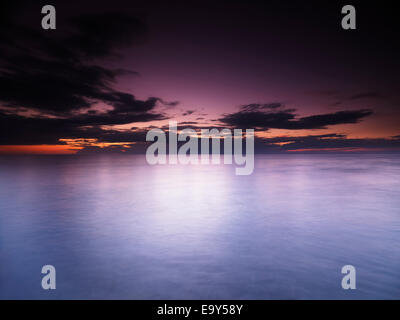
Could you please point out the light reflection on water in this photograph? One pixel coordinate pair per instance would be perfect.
(115, 227)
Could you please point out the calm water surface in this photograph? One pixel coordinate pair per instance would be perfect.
(115, 227)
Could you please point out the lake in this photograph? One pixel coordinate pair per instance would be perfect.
(116, 228)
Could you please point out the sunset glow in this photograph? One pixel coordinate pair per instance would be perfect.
(38, 149)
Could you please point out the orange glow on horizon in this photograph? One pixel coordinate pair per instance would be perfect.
(80, 143)
(69, 146)
(38, 149)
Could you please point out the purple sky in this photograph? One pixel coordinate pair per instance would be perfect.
(212, 59)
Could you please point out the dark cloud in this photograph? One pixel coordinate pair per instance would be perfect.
(101, 34)
(362, 95)
(54, 78)
(286, 119)
(192, 125)
(188, 123)
(325, 142)
(19, 130)
(188, 112)
(258, 106)
(114, 149)
(54, 73)
(320, 143)
(285, 139)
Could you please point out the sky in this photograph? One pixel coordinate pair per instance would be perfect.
(113, 70)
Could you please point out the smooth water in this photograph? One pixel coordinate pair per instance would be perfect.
(115, 227)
